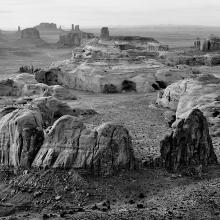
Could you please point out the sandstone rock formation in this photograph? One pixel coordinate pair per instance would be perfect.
(21, 136)
(192, 60)
(102, 151)
(24, 84)
(73, 38)
(51, 77)
(197, 43)
(77, 28)
(60, 92)
(30, 33)
(8, 88)
(46, 27)
(31, 36)
(51, 109)
(202, 93)
(189, 144)
(104, 33)
(212, 43)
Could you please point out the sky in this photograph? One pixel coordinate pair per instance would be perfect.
(97, 13)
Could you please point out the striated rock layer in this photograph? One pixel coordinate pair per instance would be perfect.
(102, 151)
(21, 136)
(202, 93)
(189, 144)
(67, 144)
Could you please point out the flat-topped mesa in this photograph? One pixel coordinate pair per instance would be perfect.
(46, 26)
(24, 142)
(30, 33)
(105, 33)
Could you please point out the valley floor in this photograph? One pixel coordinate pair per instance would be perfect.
(143, 194)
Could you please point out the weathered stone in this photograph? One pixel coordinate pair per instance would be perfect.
(212, 43)
(113, 150)
(9, 88)
(52, 109)
(46, 27)
(73, 38)
(102, 151)
(77, 28)
(30, 33)
(189, 144)
(60, 92)
(22, 84)
(202, 93)
(104, 33)
(51, 77)
(34, 89)
(21, 136)
(7, 110)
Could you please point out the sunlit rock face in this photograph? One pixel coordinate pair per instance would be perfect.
(21, 136)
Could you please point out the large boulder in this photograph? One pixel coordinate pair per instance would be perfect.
(21, 136)
(101, 151)
(189, 144)
(202, 93)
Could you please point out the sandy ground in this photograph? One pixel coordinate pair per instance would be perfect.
(142, 194)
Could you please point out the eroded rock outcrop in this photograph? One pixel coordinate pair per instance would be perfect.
(21, 136)
(53, 76)
(101, 151)
(60, 92)
(74, 38)
(192, 60)
(25, 85)
(8, 88)
(212, 43)
(51, 109)
(32, 36)
(30, 33)
(105, 33)
(202, 93)
(46, 27)
(189, 144)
